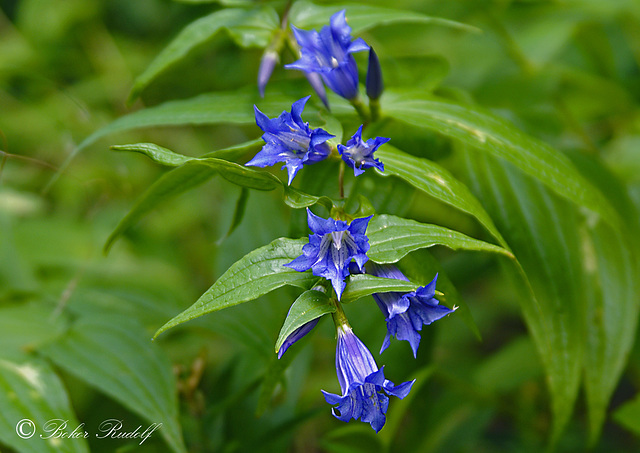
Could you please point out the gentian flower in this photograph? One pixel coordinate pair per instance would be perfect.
(329, 54)
(297, 335)
(374, 83)
(332, 247)
(406, 313)
(267, 64)
(364, 387)
(358, 154)
(290, 140)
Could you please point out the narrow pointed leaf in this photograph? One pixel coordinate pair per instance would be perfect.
(259, 272)
(437, 182)
(235, 107)
(238, 214)
(249, 28)
(140, 375)
(306, 15)
(391, 238)
(309, 306)
(480, 129)
(628, 415)
(193, 173)
(611, 267)
(362, 285)
(541, 229)
(31, 391)
(156, 153)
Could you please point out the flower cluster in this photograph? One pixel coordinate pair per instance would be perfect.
(334, 251)
(290, 140)
(337, 248)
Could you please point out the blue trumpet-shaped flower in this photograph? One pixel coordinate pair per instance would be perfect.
(364, 387)
(358, 154)
(297, 335)
(267, 64)
(406, 313)
(328, 53)
(332, 247)
(290, 140)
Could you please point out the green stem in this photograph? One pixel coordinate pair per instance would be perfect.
(341, 179)
(361, 109)
(339, 317)
(374, 107)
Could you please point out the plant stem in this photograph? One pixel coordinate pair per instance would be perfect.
(339, 317)
(374, 107)
(361, 109)
(341, 179)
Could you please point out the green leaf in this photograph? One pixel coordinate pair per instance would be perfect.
(362, 285)
(611, 269)
(140, 376)
(31, 391)
(249, 28)
(437, 182)
(193, 173)
(628, 415)
(391, 238)
(306, 15)
(480, 129)
(26, 326)
(238, 214)
(541, 229)
(164, 156)
(234, 107)
(297, 199)
(156, 153)
(310, 305)
(509, 368)
(259, 272)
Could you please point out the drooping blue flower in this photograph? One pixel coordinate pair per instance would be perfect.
(332, 247)
(297, 335)
(364, 387)
(290, 140)
(328, 53)
(267, 64)
(358, 154)
(405, 314)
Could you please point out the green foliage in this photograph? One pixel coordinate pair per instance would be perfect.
(310, 305)
(514, 128)
(254, 275)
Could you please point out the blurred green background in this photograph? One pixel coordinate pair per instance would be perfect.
(567, 72)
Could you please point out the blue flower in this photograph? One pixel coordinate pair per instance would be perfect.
(329, 54)
(332, 247)
(374, 83)
(267, 64)
(358, 154)
(290, 140)
(297, 335)
(406, 313)
(364, 388)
